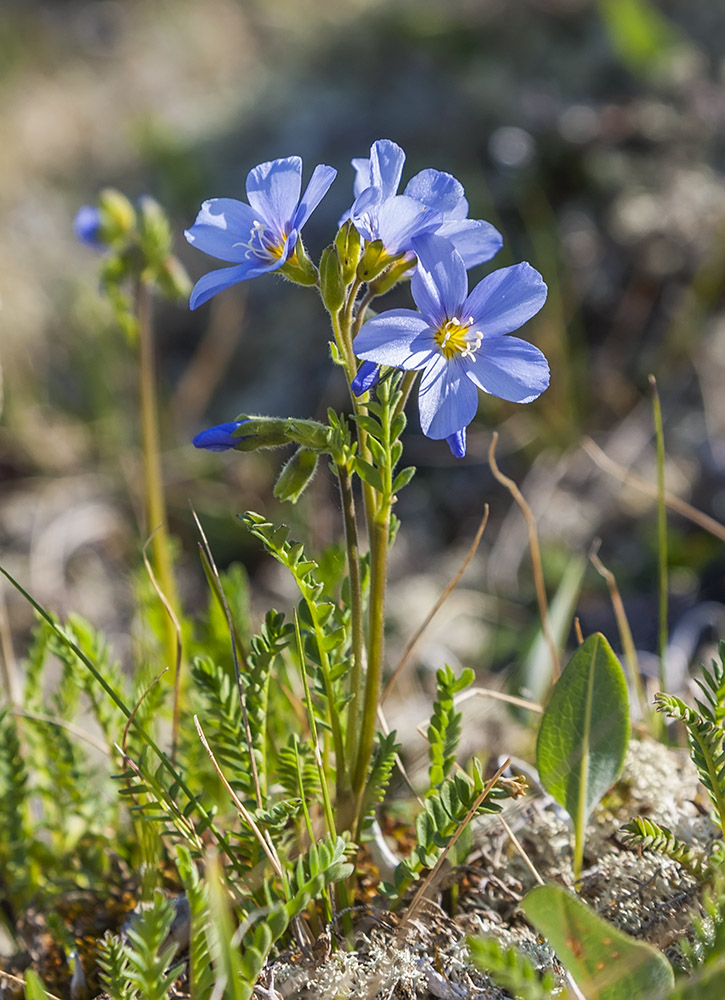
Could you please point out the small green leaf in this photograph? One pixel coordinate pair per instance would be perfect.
(605, 963)
(584, 733)
(369, 474)
(34, 989)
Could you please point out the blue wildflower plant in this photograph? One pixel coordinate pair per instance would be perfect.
(263, 235)
(455, 343)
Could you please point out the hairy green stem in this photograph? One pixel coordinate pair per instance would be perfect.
(356, 611)
(376, 627)
(153, 479)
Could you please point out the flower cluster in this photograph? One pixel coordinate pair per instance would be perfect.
(459, 341)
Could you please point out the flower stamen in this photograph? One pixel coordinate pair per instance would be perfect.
(456, 337)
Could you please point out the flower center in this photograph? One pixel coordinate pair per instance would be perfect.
(456, 337)
(263, 243)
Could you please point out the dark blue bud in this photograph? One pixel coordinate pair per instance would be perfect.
(87, 226)
(457, 443)
(219, 438)
(368, 376)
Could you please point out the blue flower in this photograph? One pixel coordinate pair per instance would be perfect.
(260, 236)
(459, 341)
(368, 376)
(432, 202)
(219, 438)
(87, 227)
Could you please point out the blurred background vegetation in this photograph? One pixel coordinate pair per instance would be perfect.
(592, 132)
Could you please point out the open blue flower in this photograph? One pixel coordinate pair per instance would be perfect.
(260, 236)
(432, 202)
(459, 341)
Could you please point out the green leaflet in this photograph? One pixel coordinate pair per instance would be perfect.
(605, 963)
(584, 733)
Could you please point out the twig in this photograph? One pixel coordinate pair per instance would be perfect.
(625, 633)
(63, 724)
(510, 699)
(21, 982)
(661, 527)
(674, 503)
(533, 548)
(519, 848)
(415, 638)
(168, 607)
(429, 878)
(206, 550)
(243, 811)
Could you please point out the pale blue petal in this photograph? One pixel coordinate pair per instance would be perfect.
(399, 338)
(322, 178)
(399, 219)
(457, 443)
(217, 281)
(273, 189)
(475, 240)
(440, 191)
(509, 368)
(362, 175)
(364, 213)
(223, 229)
(386, 166)
(447, 400)
(504, 300)
(440, 283)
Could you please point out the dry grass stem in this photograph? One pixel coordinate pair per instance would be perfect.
(535, 550)
(242, 809)
(520, 850)
(431, 876)
(205, 549)
(674, 503)
(415, 638)
(168, 608)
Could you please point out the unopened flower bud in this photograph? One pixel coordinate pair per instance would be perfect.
(296, 475)
(347, 243)
(332, 286)
(374, 261)
(389, 278)
(118, 216)
(87, 226)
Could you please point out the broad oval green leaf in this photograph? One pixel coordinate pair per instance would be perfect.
(605, 963)
(584, 733)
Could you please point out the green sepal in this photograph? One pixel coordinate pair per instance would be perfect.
(299, 268)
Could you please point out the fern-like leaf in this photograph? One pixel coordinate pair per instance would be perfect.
(444, 730)
(712, 686)
(511, 969)
(201, 973)
(441, 817)
(705, 740)
(113, 963)
(381, 769)
(149, 957)
(650, 836)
